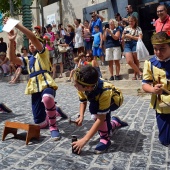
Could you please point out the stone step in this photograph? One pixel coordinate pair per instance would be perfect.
(126, 86)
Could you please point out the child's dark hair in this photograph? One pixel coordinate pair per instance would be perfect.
(18, 55)
(90, 55)
(59, 25)
(88, 75)
(81, 55)
(24, 48)
(86, 21)
(78, 20)
(118, 15)
(76, 59)
(96, 26)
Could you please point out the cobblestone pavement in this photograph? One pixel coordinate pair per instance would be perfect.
(135, 147)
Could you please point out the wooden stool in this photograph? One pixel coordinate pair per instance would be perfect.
(12, 127)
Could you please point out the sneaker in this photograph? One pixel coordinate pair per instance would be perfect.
(120, 123)
(101, 147)
(62, 114)
(5, 74)
(4, 108)
(117, 77)
(43, 124)
(111, 78)
(55, 135)
(68, 80)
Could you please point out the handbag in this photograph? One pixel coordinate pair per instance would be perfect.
(62, 49)
(141, 50)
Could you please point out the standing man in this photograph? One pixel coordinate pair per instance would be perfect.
(3, 46)
(163, 21)
(96, 19)
(130, 12)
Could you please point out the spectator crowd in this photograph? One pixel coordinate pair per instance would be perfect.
(89, 42)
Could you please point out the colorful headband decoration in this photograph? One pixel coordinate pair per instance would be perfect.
(160, 40)
(80, 80)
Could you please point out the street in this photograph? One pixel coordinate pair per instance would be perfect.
(135, 147)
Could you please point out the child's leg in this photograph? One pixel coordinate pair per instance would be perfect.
(16, 75)
(50, 107)
(163, 122)
(38, 109)
(116, 122)
(54, 71)
(61, 68)
(104, 132)
(5, 68)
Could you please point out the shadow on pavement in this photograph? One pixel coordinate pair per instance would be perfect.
(127, 141)
(8, 116)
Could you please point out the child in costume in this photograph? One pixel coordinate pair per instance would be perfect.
(40, 86)
(104, 98)
(156, 78)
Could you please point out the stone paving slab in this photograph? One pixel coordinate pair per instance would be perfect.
(135, 147)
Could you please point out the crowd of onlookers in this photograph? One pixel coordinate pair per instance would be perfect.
(89, 42)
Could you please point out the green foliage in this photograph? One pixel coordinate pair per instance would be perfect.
(17, 6)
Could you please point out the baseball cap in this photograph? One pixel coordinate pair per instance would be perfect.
(37, 27)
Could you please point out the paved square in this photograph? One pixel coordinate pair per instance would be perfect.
(135, 147)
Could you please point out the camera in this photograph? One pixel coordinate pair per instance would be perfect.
(126, 32)
(106, 26)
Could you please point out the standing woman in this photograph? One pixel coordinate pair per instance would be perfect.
(79, 43)
(130, 35)
(113, 51)
(86, 36)
(69, 37)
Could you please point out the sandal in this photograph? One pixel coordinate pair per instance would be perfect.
(60, 76)
(140, 77)
(134, 78)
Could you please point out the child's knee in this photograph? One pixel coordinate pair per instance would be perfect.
(48, 100)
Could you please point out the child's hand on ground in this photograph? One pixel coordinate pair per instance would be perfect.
(157, 89)
(78, 145)
(79, 121)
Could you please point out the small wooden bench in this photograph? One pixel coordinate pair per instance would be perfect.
(12, 127)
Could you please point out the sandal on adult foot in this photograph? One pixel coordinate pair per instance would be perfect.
(140, 77)
(134, 78)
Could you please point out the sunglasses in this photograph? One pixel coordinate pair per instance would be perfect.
(160, 11)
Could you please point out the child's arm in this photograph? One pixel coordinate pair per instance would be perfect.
(78, 145)
(4, 61)
(101, 40)
(95, 63)
(81, 113)
(30, 35)
(11, 51)
(79, 64)
(150, 89)
(104, 35)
